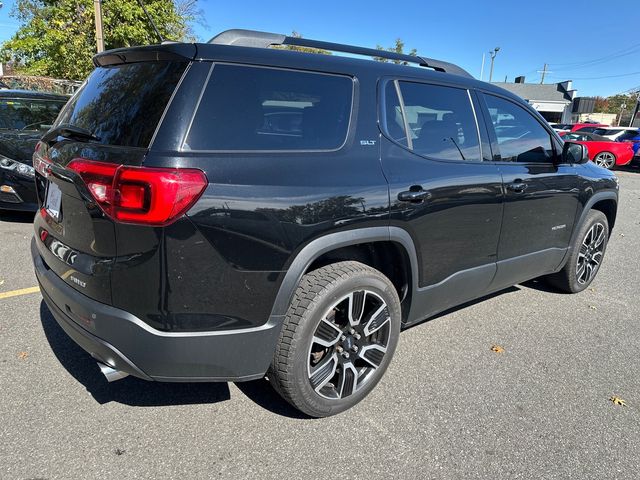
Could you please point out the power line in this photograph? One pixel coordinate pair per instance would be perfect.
(620, 53)
(606, 76)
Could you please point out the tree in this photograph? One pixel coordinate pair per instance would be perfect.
(398, 48)
(613, 104)
(57, 37)
(296, 48)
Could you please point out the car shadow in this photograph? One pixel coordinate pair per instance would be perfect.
(465, 305)
(141, 393)
(262, 393)
(635, 168)
(16, 217)
(542, 286)
(130, 390)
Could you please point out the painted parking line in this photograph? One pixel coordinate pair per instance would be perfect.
(22, 291)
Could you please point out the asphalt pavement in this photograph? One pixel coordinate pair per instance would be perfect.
(448, 407)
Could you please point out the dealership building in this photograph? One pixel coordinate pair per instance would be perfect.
(554, 101)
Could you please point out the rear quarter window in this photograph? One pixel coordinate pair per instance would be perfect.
(123, 104)
(252, 108)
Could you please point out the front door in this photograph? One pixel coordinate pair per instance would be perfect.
(541, 195)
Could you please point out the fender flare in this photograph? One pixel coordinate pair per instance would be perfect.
(314, 249)
(597, 197)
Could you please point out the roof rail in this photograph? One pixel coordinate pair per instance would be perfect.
(252, 38)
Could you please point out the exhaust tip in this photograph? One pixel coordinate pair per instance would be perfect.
(111, 374)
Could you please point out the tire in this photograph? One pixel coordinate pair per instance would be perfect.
(587, 250)
(327, 361)
(605, 160)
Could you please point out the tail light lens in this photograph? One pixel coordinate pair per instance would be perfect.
(141, 195)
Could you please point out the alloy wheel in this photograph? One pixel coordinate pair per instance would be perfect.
(349, 344)
(605, 159)
(590, 254)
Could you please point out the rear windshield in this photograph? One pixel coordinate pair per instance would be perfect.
(28, 113)
(253, 108)
(122, 104)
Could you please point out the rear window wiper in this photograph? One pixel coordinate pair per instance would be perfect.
(71, 132)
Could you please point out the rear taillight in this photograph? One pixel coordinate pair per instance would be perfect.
(141, 195)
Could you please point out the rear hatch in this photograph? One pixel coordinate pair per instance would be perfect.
(89, 173)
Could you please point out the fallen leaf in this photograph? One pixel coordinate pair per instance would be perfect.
(23, 355)
(618, 401)
(497, 349)
(1, 282)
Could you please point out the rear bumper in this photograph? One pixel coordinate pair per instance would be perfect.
(122, 341)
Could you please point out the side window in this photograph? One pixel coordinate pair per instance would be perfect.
(576, 137)
(394, 121)
(440, 121)
(520, 136)
(251, 108)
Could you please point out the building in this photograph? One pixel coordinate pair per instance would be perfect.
(553, 100)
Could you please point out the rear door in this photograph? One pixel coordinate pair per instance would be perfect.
(118, 108)
(442, 191)
(541, 195)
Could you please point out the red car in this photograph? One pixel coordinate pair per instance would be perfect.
(603, 151)
(586, 127)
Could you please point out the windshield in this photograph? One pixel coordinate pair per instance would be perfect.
(28, 113)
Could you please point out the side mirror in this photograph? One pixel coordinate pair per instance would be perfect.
(574, 153)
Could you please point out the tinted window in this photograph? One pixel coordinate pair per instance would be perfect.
(441, 121)
(587, 129)
(28, 113)
(394, 125)
(629, 134)
(122, 104)
(520, 136)
(578, 137)
(250, 108)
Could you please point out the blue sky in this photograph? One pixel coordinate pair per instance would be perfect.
(581, 41)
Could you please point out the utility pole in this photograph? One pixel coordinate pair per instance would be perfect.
(493, 54)
(622, 107)
(637, 110)
(482, 69)
(97, 4)
(544, 72)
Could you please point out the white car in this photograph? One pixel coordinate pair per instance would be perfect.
(561, 127)
(615, 133)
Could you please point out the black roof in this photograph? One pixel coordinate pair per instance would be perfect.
(32, 94)
(286, 58)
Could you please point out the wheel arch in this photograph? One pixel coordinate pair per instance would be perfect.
(338, 246)
(606, 202)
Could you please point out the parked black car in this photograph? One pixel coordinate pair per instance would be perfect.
(24, 117)
(226, 211)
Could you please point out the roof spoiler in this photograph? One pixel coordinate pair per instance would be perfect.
(255, 39)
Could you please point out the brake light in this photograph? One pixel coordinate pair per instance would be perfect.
(141, 195)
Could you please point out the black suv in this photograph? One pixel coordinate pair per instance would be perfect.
(226, 211)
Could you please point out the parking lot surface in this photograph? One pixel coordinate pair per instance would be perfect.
(448, 407)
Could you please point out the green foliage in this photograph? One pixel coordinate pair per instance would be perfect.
(57, 37)
(295, 48)
(614, 103)
(398, 48)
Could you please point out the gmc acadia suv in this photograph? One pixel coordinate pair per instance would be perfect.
(226, 211)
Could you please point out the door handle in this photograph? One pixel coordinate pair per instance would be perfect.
(415, 195)
(518, 186)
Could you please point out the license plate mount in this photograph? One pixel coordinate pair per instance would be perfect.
(53, 201)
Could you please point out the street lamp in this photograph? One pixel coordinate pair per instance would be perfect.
(493, 54)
